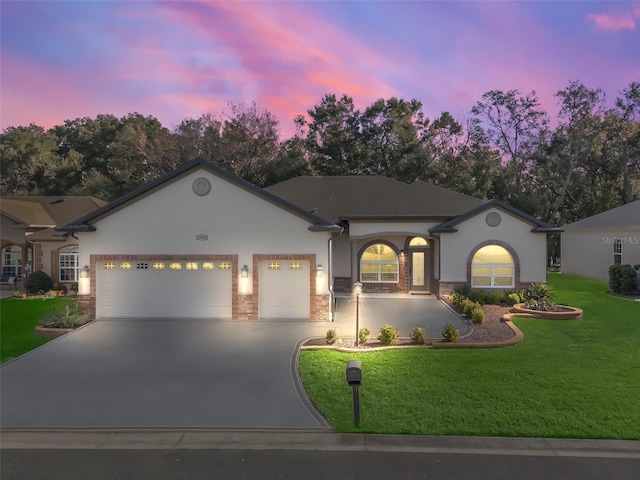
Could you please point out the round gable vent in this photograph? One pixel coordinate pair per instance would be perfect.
(493, 219)
(201, 186)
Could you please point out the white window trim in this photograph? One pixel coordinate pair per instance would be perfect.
(493, 266)
(617, 255)
(73, 269)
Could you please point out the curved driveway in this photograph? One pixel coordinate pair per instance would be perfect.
(184, 373)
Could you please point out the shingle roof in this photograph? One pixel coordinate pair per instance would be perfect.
(624, 217)
(372, 197)
(47, 211)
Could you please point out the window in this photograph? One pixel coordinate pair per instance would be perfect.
(492, 267)
(12, 261)
(109, 265)
(418, 242)
(207, 265)
(295, 266)
(192, 265)
(175, 266)
(274, 266)
(142, 266)
(379, 264)
(68, 264)
(617, 251)
(158, 266)
(125, 266)
(224, 266)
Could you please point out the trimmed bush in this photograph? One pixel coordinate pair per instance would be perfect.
(495, 298)
(332, 336)
(450, 334)
(39, 282)
(515, 297)
(61, 287)
(479, 296)
(363, 335)
(622, 279)
(418, 336)
(457, 299)
(477, 314)
(388, 335)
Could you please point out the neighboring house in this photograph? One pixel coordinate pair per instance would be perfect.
(200, 242)
(29, 238)
(591, 245)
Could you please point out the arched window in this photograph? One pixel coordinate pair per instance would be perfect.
(492, 267)
(68, 261)
(379, 264)
(418, 242)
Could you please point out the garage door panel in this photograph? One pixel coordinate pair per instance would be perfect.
(284, 291)
(164, 293)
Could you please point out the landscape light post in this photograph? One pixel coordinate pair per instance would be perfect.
(357, 289)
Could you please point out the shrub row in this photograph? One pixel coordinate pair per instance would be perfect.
(622, 279)
(389, 335)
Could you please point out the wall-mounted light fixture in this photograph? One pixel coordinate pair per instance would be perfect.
(84, 272)
(244, 272)
(319, 270)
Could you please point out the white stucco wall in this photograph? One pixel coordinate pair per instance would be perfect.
(367, 229)
(589, 253)
(531, 248)
(235, 220)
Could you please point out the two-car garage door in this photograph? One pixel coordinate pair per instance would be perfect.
(197, 289)
(176, 289)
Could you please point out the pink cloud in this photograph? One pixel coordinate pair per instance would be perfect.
(615, 22)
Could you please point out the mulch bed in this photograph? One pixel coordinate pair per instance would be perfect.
(493, 330)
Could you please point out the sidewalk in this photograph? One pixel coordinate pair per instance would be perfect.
(281, 439)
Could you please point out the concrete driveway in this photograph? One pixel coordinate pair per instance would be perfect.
(161, 373)
(187, 373)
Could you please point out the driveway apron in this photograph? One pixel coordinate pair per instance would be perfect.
(161, 373)
(155, 373)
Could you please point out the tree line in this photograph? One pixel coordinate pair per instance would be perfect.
(504, 148)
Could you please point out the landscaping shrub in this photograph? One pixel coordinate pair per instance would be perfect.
(418, 336)
(332, 336)
(70, 317)
(39, 282)
(515, 297)
(622, 279)
(538, 297)
(61, 287)
(468, 306)
(477, 314)
(74, 287)
(463, 290)
(495, 298)
(450, 334)
(457, 299)
(388, 335)
(479, 296)
(363, 335)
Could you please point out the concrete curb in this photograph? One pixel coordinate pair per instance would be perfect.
(280, 439)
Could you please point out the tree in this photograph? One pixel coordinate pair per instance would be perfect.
(333, 137)
(513, 123)
(28, 160)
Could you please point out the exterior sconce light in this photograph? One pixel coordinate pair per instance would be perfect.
(244, 272)
(319, 271)
(84, 272)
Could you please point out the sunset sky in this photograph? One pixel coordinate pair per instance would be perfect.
(174, 60)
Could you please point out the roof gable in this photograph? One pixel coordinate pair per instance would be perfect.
(538, 225)
(623, 217)
(372, 197)
(85, 223)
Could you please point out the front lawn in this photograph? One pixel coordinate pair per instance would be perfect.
(566, 379)
(18, 320)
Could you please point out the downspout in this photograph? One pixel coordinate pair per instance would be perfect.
(330, 275)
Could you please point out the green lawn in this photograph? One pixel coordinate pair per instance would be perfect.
(18, 319)
(566, 379)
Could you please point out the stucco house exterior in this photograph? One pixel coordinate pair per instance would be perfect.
(28, 236)
(200, 242)
(590, 246)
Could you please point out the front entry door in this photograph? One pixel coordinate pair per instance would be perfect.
(419, 278)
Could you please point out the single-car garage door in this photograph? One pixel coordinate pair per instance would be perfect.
(284, 289)
(176, 289)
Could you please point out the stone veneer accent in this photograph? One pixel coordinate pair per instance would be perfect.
(87, 303)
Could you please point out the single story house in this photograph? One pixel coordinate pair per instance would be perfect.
(591, 245)
(29, 239)
(200, 242)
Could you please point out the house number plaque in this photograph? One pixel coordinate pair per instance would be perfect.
(202, 237)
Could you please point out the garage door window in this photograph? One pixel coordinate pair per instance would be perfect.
(225, 266)
(125, 266)
(274, 266)
(109, 266)
(192, 265)
(208, 265)
(158, 266)
(295, 266)
(175, 266)
(142, 266)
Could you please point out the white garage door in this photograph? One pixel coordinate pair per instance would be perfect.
(175, 289)
(284, 289)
